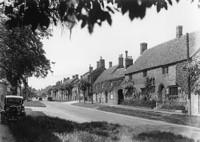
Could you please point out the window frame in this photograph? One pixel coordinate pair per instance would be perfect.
(145, 73)
(165, 70)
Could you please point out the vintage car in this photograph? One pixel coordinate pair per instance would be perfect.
(13, 108)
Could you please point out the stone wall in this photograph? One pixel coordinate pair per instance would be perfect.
(165, 79)
(112, 97)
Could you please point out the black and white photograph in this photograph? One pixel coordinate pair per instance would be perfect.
(99, 70)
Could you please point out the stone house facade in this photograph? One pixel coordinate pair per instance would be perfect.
(91, 77)
(107, 88)
(60, 92)
(165, 65)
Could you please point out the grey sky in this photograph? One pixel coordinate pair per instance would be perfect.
(73, 56)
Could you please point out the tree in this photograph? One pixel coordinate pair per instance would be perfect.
(67, 87)
(149, 87)
(41, 13)
(129, 88)
(84, 85)
(29, 92)
(193, 67)
(21, 56)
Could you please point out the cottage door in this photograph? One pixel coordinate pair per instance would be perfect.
(106, 97)
(161, 93)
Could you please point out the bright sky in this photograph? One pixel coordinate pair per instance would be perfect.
(73, 56)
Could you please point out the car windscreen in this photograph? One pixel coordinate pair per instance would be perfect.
(15, 101)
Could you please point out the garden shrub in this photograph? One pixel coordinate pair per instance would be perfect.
(141, 103)
(173, 107)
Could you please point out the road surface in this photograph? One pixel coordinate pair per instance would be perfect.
(80, 114)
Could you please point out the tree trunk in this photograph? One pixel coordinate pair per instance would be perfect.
(13, 90)
(84, 96)
(92, 98)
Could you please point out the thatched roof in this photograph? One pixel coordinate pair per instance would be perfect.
(166, 53)
(109, 79)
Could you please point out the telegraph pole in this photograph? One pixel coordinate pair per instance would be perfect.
(188, 77)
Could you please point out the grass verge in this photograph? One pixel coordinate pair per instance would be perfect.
(34, 104)
(87, 105)
(52, 129)
(171, 118)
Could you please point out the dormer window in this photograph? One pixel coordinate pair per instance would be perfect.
(144, 73)
(165, 70)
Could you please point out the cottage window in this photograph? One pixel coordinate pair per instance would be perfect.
(165, 70)
(144, 73)
(173, 90)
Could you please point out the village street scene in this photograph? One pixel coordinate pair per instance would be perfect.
(99, 71)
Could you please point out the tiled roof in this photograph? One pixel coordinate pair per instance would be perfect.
(111, 74)
(166, 53)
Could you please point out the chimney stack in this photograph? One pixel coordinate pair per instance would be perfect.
(143, 47)
(179, 31)
(126, 53)
(110, 64)
(90, 68)
(102, 63)
(121, 60)
(128, 60)
(98, 64)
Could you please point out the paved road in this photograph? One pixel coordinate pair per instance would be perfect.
(80, 114)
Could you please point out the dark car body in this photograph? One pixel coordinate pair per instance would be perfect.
(13, 108)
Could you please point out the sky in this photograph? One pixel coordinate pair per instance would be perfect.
(74, 55)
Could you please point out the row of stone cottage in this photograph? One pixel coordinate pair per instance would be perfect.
(163, 64)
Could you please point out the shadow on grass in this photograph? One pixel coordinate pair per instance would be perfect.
(42, 128)
(34, 104)
(171, 118)
(157, 136)
(48, 129)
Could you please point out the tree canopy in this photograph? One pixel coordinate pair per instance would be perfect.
(21, 55)
(41, 13)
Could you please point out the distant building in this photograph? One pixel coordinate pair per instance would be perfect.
(107, 88)
(91, 77)
(164, 65)
(63, 90)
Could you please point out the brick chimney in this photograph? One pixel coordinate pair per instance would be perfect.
(179, 31)
(98, 64)
(102, 63)
(143, 47)
(128, 60)
(90, 68)
(121, 60)
(110, 64)
(126, 54)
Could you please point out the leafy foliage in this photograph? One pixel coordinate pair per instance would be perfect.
(129, 88)
(84, 85)
(194, 69)
(29, 92)
(41, 13)
(22, 55)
